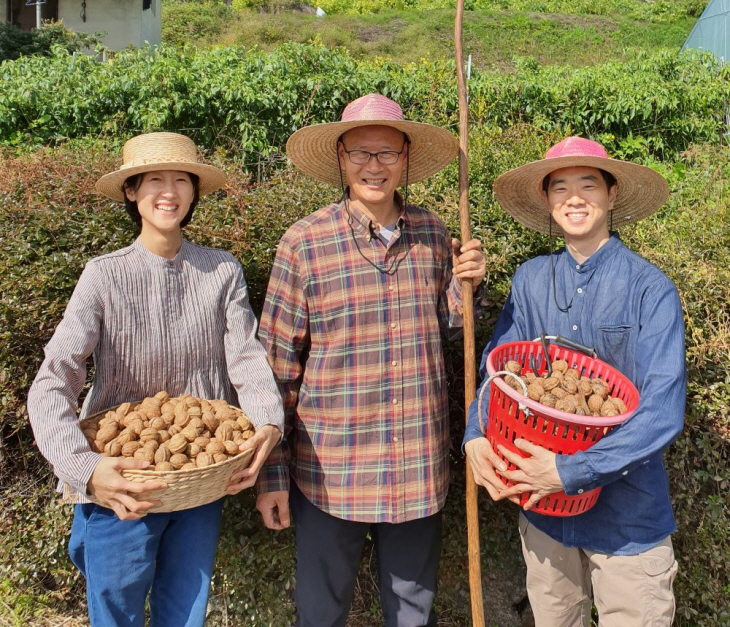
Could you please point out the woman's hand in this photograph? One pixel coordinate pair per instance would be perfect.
(537, 474)
(110, 489)
(263, 442)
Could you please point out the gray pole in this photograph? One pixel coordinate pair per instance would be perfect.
(38, 18)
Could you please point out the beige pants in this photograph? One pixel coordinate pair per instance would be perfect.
(628, 590)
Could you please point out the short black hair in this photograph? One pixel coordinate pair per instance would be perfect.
(135, 181)
(607, 176)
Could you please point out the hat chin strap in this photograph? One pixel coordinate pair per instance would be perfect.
(552, 267)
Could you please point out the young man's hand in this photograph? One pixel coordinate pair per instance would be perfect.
(537, 474)
(483, 461)
(469, 261)
(274, 508)
(262, 442)
(110, 489)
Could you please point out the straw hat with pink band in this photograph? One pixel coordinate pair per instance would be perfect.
(160, 151)
(640, 190)
(313, 149)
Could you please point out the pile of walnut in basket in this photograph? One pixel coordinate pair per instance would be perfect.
(567, 391)
(171, 433)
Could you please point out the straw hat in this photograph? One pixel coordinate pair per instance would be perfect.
(640, 190)
(313, 149)
(159, 151)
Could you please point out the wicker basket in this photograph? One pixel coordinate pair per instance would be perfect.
(187, 488)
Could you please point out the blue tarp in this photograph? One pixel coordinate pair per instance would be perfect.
(712, 30)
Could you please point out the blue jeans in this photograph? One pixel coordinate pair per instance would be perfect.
(168, 556)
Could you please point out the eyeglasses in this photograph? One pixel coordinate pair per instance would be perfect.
(385, 157)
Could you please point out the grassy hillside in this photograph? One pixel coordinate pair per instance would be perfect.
(493, 36)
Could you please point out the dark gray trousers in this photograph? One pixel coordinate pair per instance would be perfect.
(328, 557)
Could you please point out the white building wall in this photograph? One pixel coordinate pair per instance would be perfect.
(124, 21)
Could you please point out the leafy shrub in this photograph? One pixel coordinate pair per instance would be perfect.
(15, 43)
(193, 22)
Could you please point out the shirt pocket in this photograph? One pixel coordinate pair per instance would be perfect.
(615, 343)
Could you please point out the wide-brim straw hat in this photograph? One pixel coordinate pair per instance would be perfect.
(160, 151)
(640, 190)
(313, 149)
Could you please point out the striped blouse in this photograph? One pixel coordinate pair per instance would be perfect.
(358, 354)
(183, 325)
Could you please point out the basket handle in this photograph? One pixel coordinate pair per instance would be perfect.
(522, 407)
(570, 344)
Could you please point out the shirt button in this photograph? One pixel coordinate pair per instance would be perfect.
(393, 325)
(395, 401)
(395, 363)
(580, 290)
(577, 267)
(625, 472)
(575, 327)
(395, 438)
(391, 288)
(580, 491)
(367, 237)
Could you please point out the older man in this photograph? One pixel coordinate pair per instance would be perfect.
(598, 293)
(359, 297)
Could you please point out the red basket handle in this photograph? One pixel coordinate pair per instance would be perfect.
(570, 344)
(522, 407)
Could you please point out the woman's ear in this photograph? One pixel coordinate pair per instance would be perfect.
(130, 194)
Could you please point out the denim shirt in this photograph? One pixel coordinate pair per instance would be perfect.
(630, 313)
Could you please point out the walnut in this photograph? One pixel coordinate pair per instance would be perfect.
(514, 383)
(560, 365)
(548, 399)
(210, 421)
(191, 402)
(197, 424)
(148, 435)
(594, 404)
(620, 405)
(130, 448)
(113, 448)
(107, 433)
(585, 387)
(188, 466)
(572, 372)
(190, 433)
(163, 454)
(137, 425)
(609, 409)
(144, 454)
(513, 366)
(193, 450)
(535, 391)
(224, 431)
(216, 446)
(244, 422)
(231, 447)
(164, 436)
(551, 383)
(178, 460)
(206, 406)
(181, 415)
(158, 424)
(195, 412)
(151, 445)
(559, 393)
(225, 413)
(178, 443)
(202, 440)
(528, 378)
(123, 410)
(167, 408)
(131, 417)
(162, 396)
(204, 459)
(164, 466)
(600, 388)
(174, 430)
(220, 457)
(569, 385)
(566, 404)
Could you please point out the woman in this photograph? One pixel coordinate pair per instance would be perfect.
(161, 314)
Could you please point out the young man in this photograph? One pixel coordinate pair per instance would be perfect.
(600, 294)
(360, 294)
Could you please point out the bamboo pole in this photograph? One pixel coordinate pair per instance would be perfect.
(472, 516)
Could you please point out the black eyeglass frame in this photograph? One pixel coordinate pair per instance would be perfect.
(406, 142)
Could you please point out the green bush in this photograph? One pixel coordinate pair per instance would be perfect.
(15, 43)
(195, 23)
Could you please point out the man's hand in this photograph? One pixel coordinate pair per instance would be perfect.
(537, 474)
(469, 261)
(110, 489)
(274, 508)
(263, 442)
(484, 461)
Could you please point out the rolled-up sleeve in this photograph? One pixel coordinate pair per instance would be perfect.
(248, 369)
(53, 397)
(661, 381)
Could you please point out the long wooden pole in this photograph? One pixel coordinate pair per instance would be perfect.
(472, 516)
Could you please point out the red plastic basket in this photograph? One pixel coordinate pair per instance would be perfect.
(513, 415)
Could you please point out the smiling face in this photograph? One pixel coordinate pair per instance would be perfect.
(373, 183)
(579, 201)
(163, 200)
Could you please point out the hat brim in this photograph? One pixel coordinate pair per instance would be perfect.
(211, 178)
(313, 149)
(640, 190)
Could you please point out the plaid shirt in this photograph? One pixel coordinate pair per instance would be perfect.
(357, 353)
